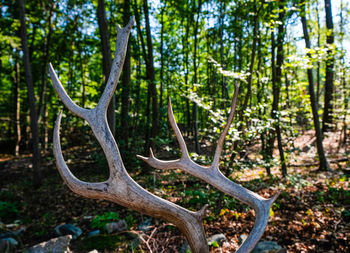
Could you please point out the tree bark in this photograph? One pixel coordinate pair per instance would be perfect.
(161, 56)
(144, 53)
(17, 100)
(278, 84)
(106, 58)
(319, 138)
(43, 109)
(328, 97)
(126, 84)
(151, 75)
(252, 58)
(195, 78)
(31, 96)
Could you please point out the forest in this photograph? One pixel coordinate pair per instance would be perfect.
(278, 69)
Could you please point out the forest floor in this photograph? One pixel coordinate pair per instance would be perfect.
(312, 214)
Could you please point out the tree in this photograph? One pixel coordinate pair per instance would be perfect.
(328, 96)
(31, 95)
(126, 83)
(151, 74)
(195, 78)
(319, 138)
(106, 58)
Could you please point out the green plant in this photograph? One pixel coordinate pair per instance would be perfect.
(8, 210)
(100, 221)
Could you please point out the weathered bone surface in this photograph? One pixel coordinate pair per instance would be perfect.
(122, 189)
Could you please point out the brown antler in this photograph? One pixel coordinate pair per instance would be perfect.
(213, 176)
(120, 187)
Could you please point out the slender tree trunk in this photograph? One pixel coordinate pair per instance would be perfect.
(126, 84)
(151, 75)
(17, 81)
(43, 109)
(185, 62)
(31, 96)
(318, 62)
(252, 58)
(278, 84)
(321, 154)
(195, 79)
(224, 88)
(342, 80)
(328, 97)
(147, 109)
(106, 59)
(161, 56)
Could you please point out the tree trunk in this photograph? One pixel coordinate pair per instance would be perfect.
(185, 62)
(224, 88)
(43, 110)
(318, 75)
(321, 154)
(17, 100)
(195, 109)
(252, 58)
(328, 96)
(147, 109)
(126, 84)
(161, 56)
(31, 96)
(106, 58)
(151, 75)
(278, 84)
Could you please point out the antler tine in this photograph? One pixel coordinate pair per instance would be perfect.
(117, 65)
(214, 177)
(120, 187)
(81, 112)
(90, 190)
(177, 131)
(221, 140)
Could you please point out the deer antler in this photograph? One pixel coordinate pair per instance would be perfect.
(120, 187)
(213, 176)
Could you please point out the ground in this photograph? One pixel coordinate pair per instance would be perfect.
(312, 213)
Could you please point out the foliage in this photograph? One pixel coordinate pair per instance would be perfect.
(100, 221)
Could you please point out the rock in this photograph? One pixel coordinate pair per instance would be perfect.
(8, 245)
(93, 251)
(219, 238)
(145, 226)
(185, 248)
(68, 229)
(13, 234)
(55, 245)
(242, 238)
(118, 226)
(134, 244)
(268, 247)
(94, 233)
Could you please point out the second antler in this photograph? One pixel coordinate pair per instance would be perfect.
(213, 176)
(122, 189)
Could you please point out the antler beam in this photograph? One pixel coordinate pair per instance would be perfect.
(213, 176)
(120, 187)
